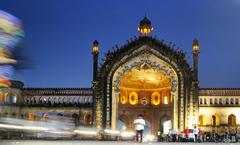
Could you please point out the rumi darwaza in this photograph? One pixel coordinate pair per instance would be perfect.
(144, 76)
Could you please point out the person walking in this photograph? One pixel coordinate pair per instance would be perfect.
(195, 132)
(139, 123)
(158, 135)
(227, 135)
(187, 131)
(236, 135)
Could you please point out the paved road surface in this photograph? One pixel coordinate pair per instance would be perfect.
(41, 142)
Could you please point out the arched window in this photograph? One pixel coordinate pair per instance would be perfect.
(65, 100)
(215, 101)
(123, 99)
(14, 99)
(87, 119)
(232, 120)
(227, 101)
(202, 120)
(155, 98)
(133, 98)
(220, 101)
(200, 101)
(205, 101)
(165, 100)
(211, 101)
(31, 116)
(123, 122)
(232, 101)
(215, 120)
(7, 99)
(237, 101)
(5, 94)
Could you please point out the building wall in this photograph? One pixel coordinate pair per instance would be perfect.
(62, 110)
(222, 112)
(11, 99)
(37, 113)
(222, 106)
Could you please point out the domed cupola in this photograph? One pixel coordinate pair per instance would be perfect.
(145, 27)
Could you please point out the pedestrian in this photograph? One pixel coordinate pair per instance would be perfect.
(174, 134)
(195, 132)
(204, 137)
(200, 136)
(236, 135)
(139, 123)
(159, 135)
(186, 131)
(214, 136)
(226, 135)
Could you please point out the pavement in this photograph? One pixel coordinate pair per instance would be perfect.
(75, 142)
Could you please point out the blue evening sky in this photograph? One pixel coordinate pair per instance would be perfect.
(59, 35)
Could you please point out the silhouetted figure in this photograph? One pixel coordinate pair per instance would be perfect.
(226, 135)
(236, 135)
(159, 135)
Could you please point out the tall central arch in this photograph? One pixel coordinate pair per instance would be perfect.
(154, 59)
(155, 54)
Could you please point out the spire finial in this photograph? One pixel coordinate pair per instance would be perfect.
(145, 27)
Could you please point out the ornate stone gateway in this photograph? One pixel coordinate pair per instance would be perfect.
(144, 77)
(144, 85)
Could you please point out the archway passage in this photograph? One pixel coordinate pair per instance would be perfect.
(202, 120)
(215, 120)
(167, 125)
(87, 120)
(232, 120)
(147, 91)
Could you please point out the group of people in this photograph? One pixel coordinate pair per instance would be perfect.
(195, 134)
(215, 137)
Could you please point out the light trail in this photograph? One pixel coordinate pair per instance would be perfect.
(33, 128)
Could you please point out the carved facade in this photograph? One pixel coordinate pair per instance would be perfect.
(145, 76)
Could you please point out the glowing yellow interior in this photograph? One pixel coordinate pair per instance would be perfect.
(145, 85)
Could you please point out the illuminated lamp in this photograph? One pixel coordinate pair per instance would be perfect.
(133, 98)
(165, 100)
(123, 99)
(195, 46)
(155, 98)
(95, 48)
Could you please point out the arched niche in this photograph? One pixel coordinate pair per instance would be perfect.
(154, 60)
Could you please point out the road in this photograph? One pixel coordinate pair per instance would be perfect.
(60, 142)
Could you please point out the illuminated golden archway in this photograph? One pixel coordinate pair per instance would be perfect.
(215, 120)
(202, 119)
(142, 76)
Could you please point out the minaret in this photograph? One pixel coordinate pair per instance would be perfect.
(193, 102)
(97, 103)
(95, 51)
(195, 51)
(145, 27)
